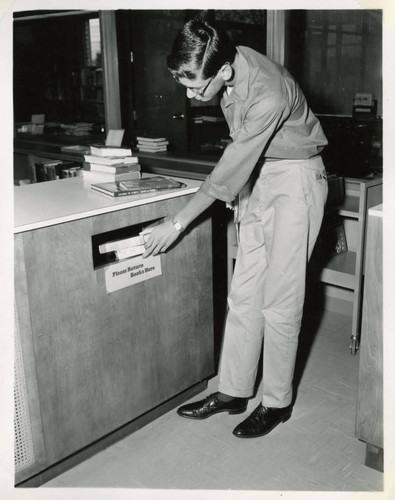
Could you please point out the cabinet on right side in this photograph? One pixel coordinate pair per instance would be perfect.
(342, 274)
(369, 415)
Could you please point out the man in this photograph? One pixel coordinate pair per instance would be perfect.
(279, 221)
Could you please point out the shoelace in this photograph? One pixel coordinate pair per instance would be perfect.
(211, 397)
(258, 413)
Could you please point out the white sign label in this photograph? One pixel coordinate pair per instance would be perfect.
(132, 271)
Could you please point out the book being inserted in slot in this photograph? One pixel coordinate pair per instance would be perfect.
(126, 253)
(105, 151)
(132, 244)
(114, 246)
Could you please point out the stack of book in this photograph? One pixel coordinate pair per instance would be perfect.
(78, 129)
(51, 170)
(152, 144)
(110, 164)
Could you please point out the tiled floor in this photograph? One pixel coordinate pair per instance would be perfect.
(314, 451)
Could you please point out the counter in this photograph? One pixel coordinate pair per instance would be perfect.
(95, 361)
(29, 148)
(48, 203)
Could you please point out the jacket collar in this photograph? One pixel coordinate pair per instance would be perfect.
(243, 76)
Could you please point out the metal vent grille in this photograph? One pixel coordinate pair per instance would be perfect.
(23, 448)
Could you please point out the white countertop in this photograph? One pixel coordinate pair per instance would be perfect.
(48, 203)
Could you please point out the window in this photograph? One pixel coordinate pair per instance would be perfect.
(93, 43)
(333, 54)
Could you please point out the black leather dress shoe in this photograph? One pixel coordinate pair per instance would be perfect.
(261, 421)
(212, 404)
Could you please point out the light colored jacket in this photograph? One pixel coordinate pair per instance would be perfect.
(267, 115)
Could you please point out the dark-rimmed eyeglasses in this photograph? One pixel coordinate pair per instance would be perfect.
(201, 93)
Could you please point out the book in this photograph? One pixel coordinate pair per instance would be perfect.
(95, 177)
(153, 147)
(114, 246)
(110, 189)
(332, 238)
(138, 186)
(151, 139)
(151, 150)
(77, 149)
(50, 170)
(114, 137)
(128, 245)
(155, 183)
(158, 144)
(45, 170)
(105, 151)
(111, 160)
(117, 168)
(76, 129)
(125, 253)
(70, 172)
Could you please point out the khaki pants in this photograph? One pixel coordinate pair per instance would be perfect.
(277, 234)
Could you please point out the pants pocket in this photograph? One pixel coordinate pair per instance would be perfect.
(311, 181)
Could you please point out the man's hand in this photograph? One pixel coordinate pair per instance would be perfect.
(161, 238)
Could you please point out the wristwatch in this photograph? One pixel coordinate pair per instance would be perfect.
(177, 226)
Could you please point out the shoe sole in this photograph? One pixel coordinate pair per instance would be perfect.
(230, 412)
(246, 436)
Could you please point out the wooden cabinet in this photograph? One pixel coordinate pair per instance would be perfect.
(369, 421)
(94, 361)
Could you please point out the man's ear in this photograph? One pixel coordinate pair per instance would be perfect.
(227, 72)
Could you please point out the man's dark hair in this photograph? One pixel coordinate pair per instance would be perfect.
(200, 45)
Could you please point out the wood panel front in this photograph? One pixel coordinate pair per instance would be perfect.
(103, 359)
(369, 422)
